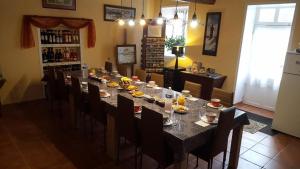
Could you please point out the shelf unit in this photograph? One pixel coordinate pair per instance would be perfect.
(65, 56)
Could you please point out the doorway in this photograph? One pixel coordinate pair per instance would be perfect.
(265, 43)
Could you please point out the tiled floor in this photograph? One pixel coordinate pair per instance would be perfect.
(31, 138)
(255, 110)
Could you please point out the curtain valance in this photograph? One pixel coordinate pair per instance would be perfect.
(27, 40)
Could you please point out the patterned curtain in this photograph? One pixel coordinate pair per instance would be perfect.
(27, 40)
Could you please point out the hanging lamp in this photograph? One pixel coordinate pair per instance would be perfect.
(131, 21)
(160, 19)
(142, 20)
(194, 22)
(176, 11)
(121, 21)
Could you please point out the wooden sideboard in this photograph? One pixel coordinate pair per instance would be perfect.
(176, 79)
(207, 81)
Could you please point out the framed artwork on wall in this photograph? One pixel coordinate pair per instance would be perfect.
(113, 12)
(211, 34)
(60, 4)
(126, 54)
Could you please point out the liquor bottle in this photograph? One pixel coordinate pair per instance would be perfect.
(60, 55)
(56, 56)
(53, 37)
(77, 36)
(42, 36)
(50, 36)
(70, 37)
(60, 37)
(57, 37)
(44, 56)
(74, 37)
(66, 37)
(46, 40)
(67, 54)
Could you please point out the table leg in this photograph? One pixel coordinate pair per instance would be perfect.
(182, 164)
(235, 147)
(73, 113)
(111, 137)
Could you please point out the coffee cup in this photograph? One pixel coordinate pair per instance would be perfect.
(151, 83)
(216, 102)
(186, 93)
(210, 116)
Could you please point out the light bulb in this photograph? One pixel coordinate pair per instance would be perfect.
(131, 22)
(194, 23)
(160, 21)
(121, 22)
(142, 22)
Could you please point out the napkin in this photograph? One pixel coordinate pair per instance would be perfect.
(201, 123)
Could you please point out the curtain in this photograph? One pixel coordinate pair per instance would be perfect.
(269, 46)
(27, 40)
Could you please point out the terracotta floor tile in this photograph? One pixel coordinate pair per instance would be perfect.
(266, 150)
(244, 164)
(290, 155)
(255, 158)
(276, 165)
(10, 158)
(278, 141)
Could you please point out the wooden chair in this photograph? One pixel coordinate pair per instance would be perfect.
(51, 88)
(219, 141)
(153, 143)
(80, 104)
(127, 126)
(158, 78)
(108, 66)
(141, 74)
(194, 88)
(225, 97)
(62, 92)
(96, 108)
(122, 69)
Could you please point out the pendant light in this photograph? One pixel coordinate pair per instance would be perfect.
(121, 21)
(176, 11)
(131, 21)
(194, 23)
(160, 19)
(142, 20)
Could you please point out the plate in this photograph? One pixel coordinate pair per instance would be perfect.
(105, 96)
(168, 122)
(138, 112)
(182, 111)
(84, 83)
(203, 118)
(151, 86)
(214, 107)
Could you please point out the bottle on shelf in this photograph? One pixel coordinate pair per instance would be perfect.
(60, 55)
(70, 37)
(66, 54)
(50, 36)
(56, 56)
(44, 55)
(66, 38)
(50, 55)
(46, 40)
(42, 36)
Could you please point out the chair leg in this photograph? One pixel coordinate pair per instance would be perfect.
(135, 157)
(210, 164)
(224, 159)
(141, 160)
(104, 137)
(197, 162)
(118, 151)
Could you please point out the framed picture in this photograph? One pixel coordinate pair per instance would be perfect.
(211, 34)
(126, 54)
(113, 13)
(60, 4)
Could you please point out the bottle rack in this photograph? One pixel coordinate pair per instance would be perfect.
(153, 54)
(60, 48)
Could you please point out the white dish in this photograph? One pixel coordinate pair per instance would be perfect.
(168, 123)
(151, 86)
(214, 107)
(203, 118)
(84, 83)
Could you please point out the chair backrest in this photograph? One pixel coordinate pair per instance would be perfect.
(108, 66)
(194, 88)
(125, 119)
(152, 135)
(122, 69)
(141, 74)
(76, 92)
(225, 97)
(225, 124)
(158, 78)
(61, 86)
(96, 107)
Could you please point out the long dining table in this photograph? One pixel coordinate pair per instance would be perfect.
(183, 136)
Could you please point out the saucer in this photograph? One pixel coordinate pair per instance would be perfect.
(214, 107)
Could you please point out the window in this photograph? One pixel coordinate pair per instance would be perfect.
(175, 28)
(275, 14)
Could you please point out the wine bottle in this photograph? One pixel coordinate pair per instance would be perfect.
(66, 37)
(42, 37)
(56, 56)
(44, 56)
(46, 40)
(57, 37)
(70, 37)
(50, 37)
(53, 37)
